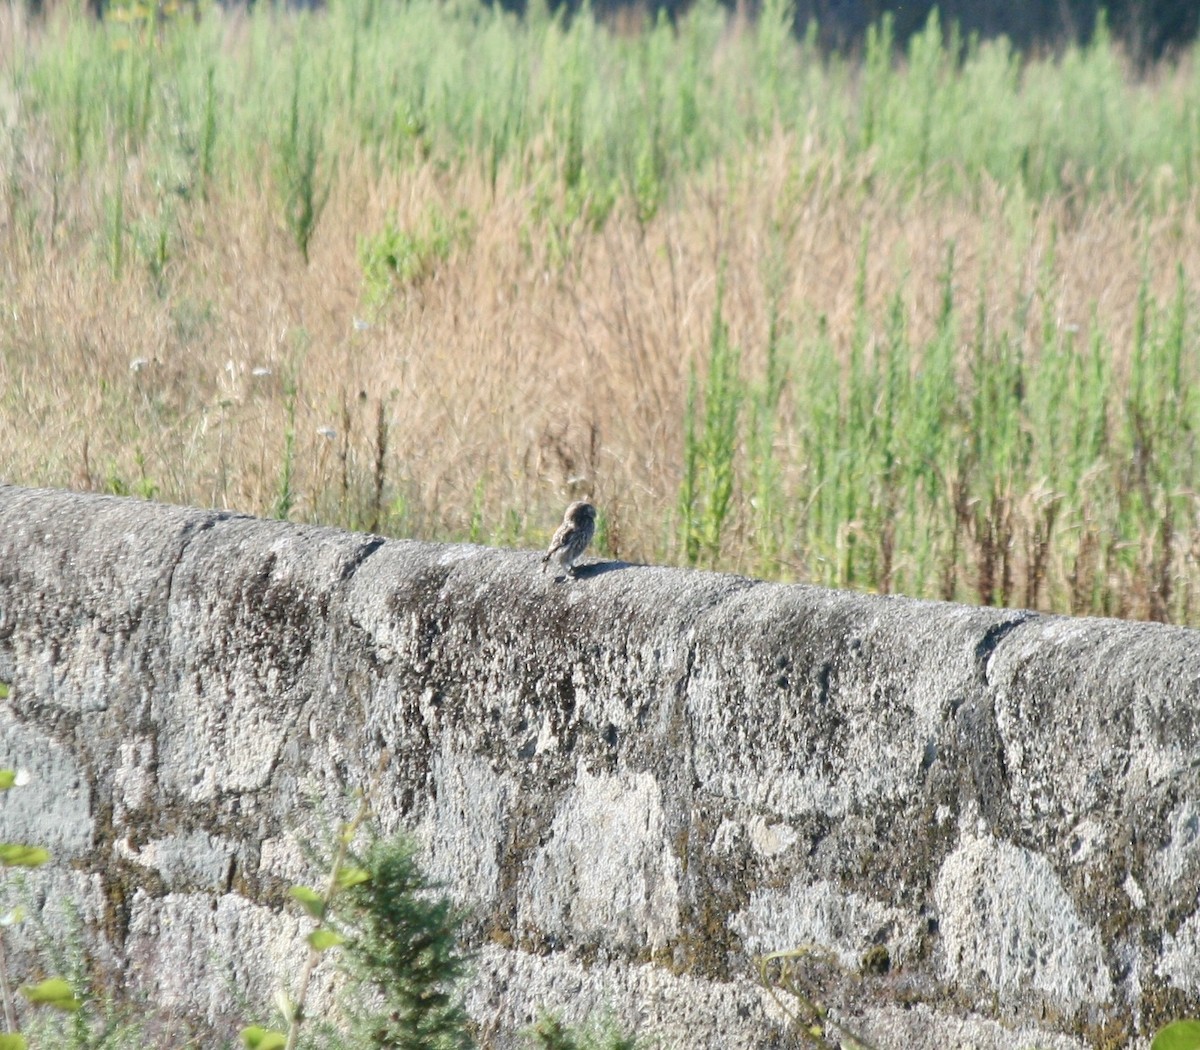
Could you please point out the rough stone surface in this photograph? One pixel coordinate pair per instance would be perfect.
(983, 824)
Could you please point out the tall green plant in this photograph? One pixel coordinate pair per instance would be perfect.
(286, 495)
(765, 469)
(405, 950)
(394, 939)
(303, 183)
(711, 445)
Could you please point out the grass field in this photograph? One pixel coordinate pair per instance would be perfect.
(919, 322)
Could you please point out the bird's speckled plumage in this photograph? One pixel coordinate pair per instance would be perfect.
(571, 538)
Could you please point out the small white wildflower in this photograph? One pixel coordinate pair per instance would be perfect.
(328, 433)
(137, 364)
(259, 372)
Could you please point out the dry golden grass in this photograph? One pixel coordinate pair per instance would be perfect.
(519, 375)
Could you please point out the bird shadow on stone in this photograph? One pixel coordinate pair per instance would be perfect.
(599, 568)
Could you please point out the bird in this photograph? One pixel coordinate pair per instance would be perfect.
(571, 538)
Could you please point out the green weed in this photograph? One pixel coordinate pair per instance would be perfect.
(711, 431)
(286, 495)
(302, 182)
(551, 1033)
(398, 258)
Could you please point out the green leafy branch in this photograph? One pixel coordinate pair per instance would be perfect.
(324, 935)
(54, 992)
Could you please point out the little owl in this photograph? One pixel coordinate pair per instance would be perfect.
(571, 538)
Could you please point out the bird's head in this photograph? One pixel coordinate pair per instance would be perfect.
(580, 512)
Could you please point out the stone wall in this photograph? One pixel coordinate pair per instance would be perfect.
(988, 821)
